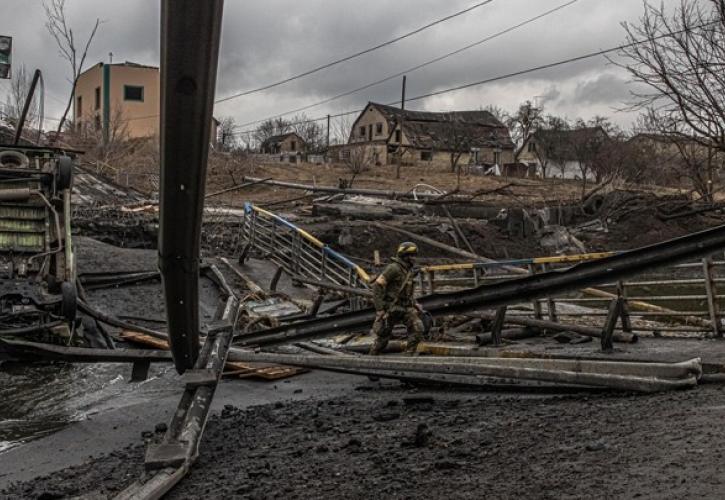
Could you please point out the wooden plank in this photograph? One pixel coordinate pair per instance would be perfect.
(232, 368)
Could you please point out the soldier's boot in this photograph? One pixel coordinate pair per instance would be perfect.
(415, 332)
(378, 346)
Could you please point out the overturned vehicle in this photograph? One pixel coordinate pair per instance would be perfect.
(38, 295)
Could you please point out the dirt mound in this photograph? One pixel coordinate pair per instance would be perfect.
(635, 219)
(361, 240)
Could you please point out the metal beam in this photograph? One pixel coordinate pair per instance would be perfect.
(38, 351)
(513, 291)
(190, 34)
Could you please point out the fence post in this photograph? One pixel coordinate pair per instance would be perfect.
(536, 304)
(497, 326)
(626, 320)
(431, 281)
(550, 304)
(476, 281)
(615, 311)
(711, 290)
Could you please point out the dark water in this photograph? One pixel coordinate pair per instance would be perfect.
(39, 399)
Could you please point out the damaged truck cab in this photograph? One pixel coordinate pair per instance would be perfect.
(38, 297)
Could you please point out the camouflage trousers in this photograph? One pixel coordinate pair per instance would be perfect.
(383, 329)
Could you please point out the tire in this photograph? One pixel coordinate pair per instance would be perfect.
(64, 175)
(13, 159)
(69, 300)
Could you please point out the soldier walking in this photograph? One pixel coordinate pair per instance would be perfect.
(394, 300)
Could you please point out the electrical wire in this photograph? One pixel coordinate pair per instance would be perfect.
(417, 67)
(513, 74)
(357, 54)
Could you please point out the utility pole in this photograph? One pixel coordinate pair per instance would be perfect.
(328, 131)
(401, 121)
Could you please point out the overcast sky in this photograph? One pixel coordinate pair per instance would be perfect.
(268, 40)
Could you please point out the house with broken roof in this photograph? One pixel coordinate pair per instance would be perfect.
(562, 153)
(427, 138)
(289, 146)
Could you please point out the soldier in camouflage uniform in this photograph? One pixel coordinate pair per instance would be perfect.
(394, 300)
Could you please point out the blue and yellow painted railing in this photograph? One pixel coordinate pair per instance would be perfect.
(329, 252)
(365, 277)
(556, 259)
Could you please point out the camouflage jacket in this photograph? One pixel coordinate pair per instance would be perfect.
(394, 287)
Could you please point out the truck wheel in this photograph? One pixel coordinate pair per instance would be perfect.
(12, 159)
(64, 175)
(69, 300)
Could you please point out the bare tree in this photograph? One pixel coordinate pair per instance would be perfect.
(310, 131)
(270, 128)
(524, 121)
(358, 161)
(57, 25)
(548, 142)
(587, 142)
(498, 112)
(340, 129)
(679, 58)
(227, 137)
(685, 155)
(264, 131)
(19, 88)
(105, 153)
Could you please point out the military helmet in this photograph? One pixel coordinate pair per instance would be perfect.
(407, 248)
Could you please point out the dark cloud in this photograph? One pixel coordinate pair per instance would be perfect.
(267, 40)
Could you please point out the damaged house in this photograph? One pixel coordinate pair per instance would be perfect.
(562, 153)
(289, 146)
(427, 138)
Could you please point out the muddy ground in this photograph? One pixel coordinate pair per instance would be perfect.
(389, 442)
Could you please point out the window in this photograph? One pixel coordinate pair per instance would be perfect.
(132, 93)
(426, 155)
(79, 108)
(362, 131)
(97, 122)
(397, 136)
(98, 98)
(345, 154)
(378, 129)
(293, 145)
(532, 147)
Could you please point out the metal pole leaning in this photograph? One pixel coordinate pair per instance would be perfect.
(191, 32)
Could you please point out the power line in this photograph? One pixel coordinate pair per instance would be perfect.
(417, 67)
(515, 73)
(353, 56)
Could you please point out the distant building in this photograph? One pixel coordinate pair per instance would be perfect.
(289, 147)
(121, 97)
(427, 138)
(557, 151)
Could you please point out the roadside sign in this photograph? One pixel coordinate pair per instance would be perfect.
(6, 52)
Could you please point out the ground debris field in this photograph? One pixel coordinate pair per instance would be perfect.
(392, 441)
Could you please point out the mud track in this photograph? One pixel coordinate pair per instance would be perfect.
(391, 442)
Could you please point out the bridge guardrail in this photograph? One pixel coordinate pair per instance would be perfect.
(691, 301)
